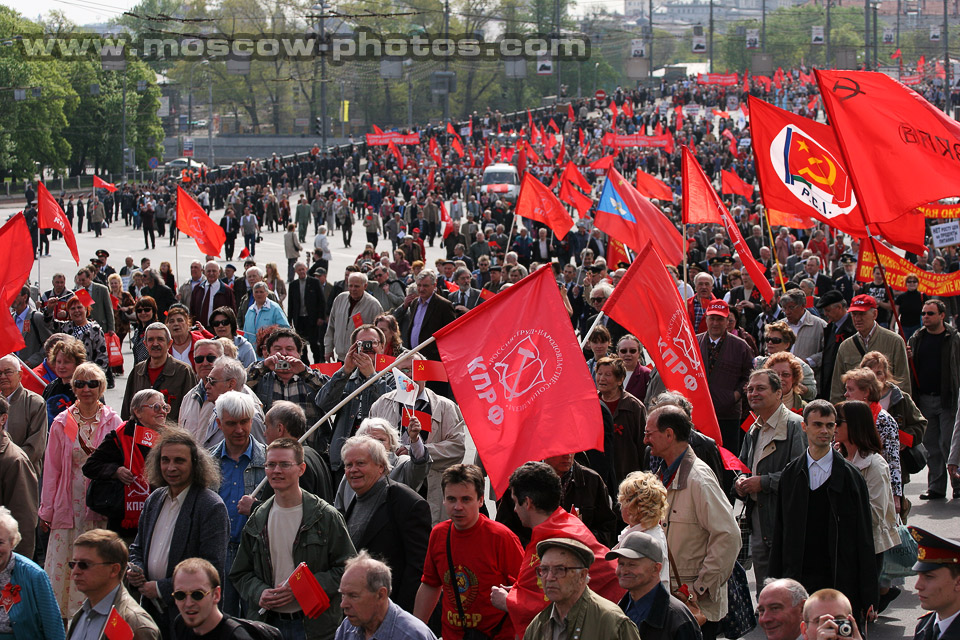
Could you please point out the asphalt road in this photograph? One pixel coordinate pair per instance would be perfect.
(940, 517)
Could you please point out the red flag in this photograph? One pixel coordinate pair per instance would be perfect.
(650, 187)
(613, 110)
(99, 183)
(51, 216)
(426, 419)
(452, 131)
(116, 627)
(327, 368)
(430, 369)
(70, 426)
(395, 150)
(748, 422)
(307, 590)
(569, 180)
(732, 183)
(896, 55)
(445, 219)
(570, 113)
(514, 366)
(194, 222)
(486, 294)
(145, 436)
(244, 253)
(812, 103)
(732, 462)
(628, 109)
(658, 129)
(85, 298)
(603, 163)
(617, 254)
(678, 116)
(434, 150)
(647, 303)
(457, 146)
(553, 125)
(11, 340)
(30, 380)
(16, 260)
(921, 66)
(377, 129)
(451, 287)
(357, 320)
(625, 215)
(722, 114)
(580, 138)
(537, 202)
(893, 123)
(699, 196)
(529, 120)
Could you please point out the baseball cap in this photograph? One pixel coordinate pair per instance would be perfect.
(718, 308)
(863, 302)
(637, 545)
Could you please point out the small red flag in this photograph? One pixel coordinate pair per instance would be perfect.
(84, 297)
(732, 183)
(377, 129)
(145, 436)
(430, 369)
(70, 426)
(426, 420)
(537, 202)
(650, 187)
(603, 163)
(486, 294)
(357, 320)
(327, 368)
(457, 146)
(99, 183)
(193, 221)
(309, 594)
(732, 462)
(570, 113)
(451, 287)
(383, 361)
(51, 216)
(895, 55)
(31, 381)
(116, 627)
(245, 253)
(515, 369)
(748, 422)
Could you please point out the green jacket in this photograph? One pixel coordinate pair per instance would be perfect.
(592, 616)
(322, 542)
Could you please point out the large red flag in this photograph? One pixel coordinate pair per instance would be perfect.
(625, 215)
(194, 222)
(51, 216)
(521, 382)
(16, 259)
(537, 202)
(603, 163)
(650, 187)
(699, 196)
(99, 183)
(647, 303)
(900, 150)
(732, 183)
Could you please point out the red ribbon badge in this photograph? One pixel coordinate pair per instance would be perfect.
(9, 596)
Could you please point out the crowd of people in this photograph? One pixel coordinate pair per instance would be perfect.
(190, 508)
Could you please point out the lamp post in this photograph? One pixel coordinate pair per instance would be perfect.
(596, 71)
(318, 12)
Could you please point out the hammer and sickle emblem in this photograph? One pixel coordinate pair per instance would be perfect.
(849, 85)
(816, 175)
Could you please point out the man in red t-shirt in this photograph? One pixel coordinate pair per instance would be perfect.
(484, 553)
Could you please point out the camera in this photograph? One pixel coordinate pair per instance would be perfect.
(282, 365)
(365, 346)
(844, 628)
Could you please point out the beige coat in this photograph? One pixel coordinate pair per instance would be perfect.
(876, 473)
(702, 534)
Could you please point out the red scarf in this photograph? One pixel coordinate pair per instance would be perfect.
(135, 493)
(875, 408)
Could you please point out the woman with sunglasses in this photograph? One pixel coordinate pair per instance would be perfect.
(122, 455)
(223, 323)
(74, 435)
(638, 375)
(779, 337)
(146, 314)
(66, 356)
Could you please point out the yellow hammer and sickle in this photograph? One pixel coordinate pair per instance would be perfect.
(831, 175)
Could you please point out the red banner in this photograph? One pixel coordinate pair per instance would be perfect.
(725, 79)
(383, 139)
(636, 140)
(897, 269)
(940, 211)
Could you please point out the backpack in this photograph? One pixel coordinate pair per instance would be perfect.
(256, 630)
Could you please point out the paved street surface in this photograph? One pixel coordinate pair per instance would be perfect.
(897, 621)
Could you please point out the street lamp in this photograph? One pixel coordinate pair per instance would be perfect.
(596, 72)
(319, 10)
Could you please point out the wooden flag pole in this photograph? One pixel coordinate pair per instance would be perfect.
(773, 250)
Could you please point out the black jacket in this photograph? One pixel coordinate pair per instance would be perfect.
(669, 619)
(832, 337)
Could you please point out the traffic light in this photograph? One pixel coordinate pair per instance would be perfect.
(319, 126)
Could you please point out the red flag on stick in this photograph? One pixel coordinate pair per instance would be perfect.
(116, 627)
(307, 590)
(537, 202)
(732, 462)
(244, 253)
(451, 287)
(524, 390)
(732, 183)
(16, 259)
(99, 183)
(51, 216)
(327, 368)
(646, 302)
(430, 369)
(194, 222)
(30, 380)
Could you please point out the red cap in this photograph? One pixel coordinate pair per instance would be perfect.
(718, 308)
(863, 302)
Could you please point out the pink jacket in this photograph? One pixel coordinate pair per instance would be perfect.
(58, 470)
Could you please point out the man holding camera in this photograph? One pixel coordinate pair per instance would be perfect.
(282, 375)
(828, 615)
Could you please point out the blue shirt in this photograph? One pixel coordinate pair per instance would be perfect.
(418, 316)
(231, 489)
(396, 625)
(638, 610)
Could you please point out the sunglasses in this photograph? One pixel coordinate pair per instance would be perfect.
(196, 595)
(220, 323)
(207, 358)
(143, 309)
(931, 313)
(773, 340)
(90, 384)
(83, 565)
(629, 350)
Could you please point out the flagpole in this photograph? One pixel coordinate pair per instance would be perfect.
(783, 285)
(586, 336)
(510, 236)
(30, 369)
(354, 394)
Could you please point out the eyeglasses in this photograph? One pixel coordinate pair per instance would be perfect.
(629, 350)
(925, 313)
(9, 372)
(773, 340)
(270, 466)
(220, 323)
(196, 595)
(90, 384)
(210, 380)
(83, 565)
(207, 358)
(143, 309)
(161, 407)
(560, 571)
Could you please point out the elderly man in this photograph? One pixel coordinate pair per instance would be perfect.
(466, 297)
(839, 327)
(657, 614)
(19, 487)
(287, 420)
(811, 269)
(160, 371)
(27, 422)
(775, 438)
(213, 293)
(196, 412)
(388, 519)
(32, 327)
(228, 375)
(389, 293)
(575, 610)
(423, 313)
(185, 292)
(365, 590)
(282, 375)
(780, 609)
(349, 310)
(102, 311)
(307, 308)
(701, 530)
(241, 459)
(443, 437)
(870, 336)
(807, 327)
(697, 305)
(97, 569)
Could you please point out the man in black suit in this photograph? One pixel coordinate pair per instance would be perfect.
(467, 297)
(388, 519)
(212, 294)
(938, 585)
(423, 313)
(230, 226)
(306, 308)
(811, 269)
(839, 327)
(542, 250)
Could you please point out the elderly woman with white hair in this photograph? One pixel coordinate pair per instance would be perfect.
(33, 614)
(408, 464)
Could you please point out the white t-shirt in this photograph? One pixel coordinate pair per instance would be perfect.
(283, 523)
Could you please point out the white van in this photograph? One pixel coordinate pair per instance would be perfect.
(502, 180)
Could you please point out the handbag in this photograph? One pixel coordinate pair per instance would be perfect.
(114, 349)
(898, 561)
(913, 459)
(105, 496)
(682, 593)
(468, 634)
(741, 618)
(745, 558)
